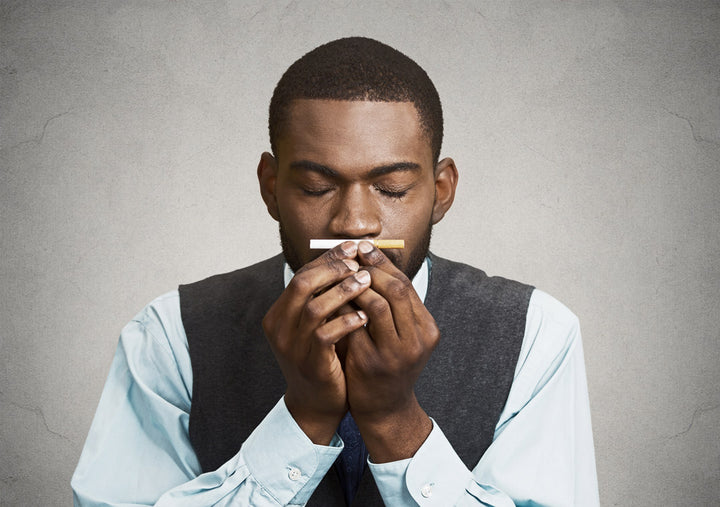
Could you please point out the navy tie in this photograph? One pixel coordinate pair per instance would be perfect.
(350, 465)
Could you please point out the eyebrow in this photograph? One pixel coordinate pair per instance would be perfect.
(307, 165)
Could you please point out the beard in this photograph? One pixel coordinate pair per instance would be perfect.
(410, 267)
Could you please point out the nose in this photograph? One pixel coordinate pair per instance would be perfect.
(355, 214)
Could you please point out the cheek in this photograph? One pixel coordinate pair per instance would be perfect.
(301, 220)
(408, 218)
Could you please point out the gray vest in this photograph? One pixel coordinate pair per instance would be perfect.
(236, 379)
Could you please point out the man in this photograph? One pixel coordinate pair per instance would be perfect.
(312, 377)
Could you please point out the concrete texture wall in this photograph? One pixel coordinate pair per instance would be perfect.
(587, 134)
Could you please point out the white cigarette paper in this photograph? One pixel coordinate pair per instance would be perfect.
(326, 244)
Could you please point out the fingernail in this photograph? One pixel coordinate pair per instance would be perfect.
(365, 247)
(362, 276)
(353, 265)
(362, 315)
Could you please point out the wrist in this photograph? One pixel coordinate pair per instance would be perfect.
(394, 435)
(319, 426)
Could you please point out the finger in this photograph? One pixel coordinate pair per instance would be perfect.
(395, 287)
(341, 345)
(323, 306)
(286, 312)
(381, 323)
(369, 255)
(308, 282)
(347, 250)
(323, 346)
(359, 343)
(334, 330)
(397, 290)
(393, 341)
(412, 323)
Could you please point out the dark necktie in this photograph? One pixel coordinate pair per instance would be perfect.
(350, 465)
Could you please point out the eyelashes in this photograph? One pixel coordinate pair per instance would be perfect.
(315, 192)
(392, 193)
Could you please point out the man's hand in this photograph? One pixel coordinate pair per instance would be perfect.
(385, 359)
(303, 328)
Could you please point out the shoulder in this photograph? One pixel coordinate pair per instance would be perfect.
(154, 351)
(552, 333)
(545, 306)
(454, 272)
(159, 322)
(222, 294)
(551, 321)
(468, 282)
(253, 274)
(458, 273)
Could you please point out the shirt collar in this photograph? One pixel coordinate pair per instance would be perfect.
(420, 282)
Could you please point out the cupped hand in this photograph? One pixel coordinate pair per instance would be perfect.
(303, 327)
(385, 358)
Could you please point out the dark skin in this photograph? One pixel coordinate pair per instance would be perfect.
(355, 170)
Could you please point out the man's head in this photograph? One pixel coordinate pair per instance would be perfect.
(357, 69)
(356, 129)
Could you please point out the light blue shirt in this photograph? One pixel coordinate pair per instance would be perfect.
(138, 451)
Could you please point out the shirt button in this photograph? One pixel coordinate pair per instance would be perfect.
(426, 490)
(294, 474)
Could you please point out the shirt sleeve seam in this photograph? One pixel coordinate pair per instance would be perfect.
(144, 322)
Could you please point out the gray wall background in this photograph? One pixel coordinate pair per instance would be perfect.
(587, 134)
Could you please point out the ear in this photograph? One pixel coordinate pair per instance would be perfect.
(267, 176)
(446, 179)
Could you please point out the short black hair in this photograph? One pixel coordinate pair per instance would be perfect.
(358, 68)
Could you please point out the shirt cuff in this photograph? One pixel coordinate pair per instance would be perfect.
(284, 461)
(435, 476)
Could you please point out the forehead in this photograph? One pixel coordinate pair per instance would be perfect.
(354, 133)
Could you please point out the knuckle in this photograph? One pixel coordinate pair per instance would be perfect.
(321, 335)
(314, 311)
(337, 268)
(340, 267)
(418, 353)
(348, 286)
(350, 319)
(301, 283)
(376, 258)
(335, 254)
(378, 307)
(336, 265)
(302, 269)
(400, 288)
(414, 349)
(433, 334)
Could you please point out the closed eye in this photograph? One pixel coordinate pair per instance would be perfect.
(316, 192)
(393, 193)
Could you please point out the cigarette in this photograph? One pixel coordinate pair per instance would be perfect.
(325, 244)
